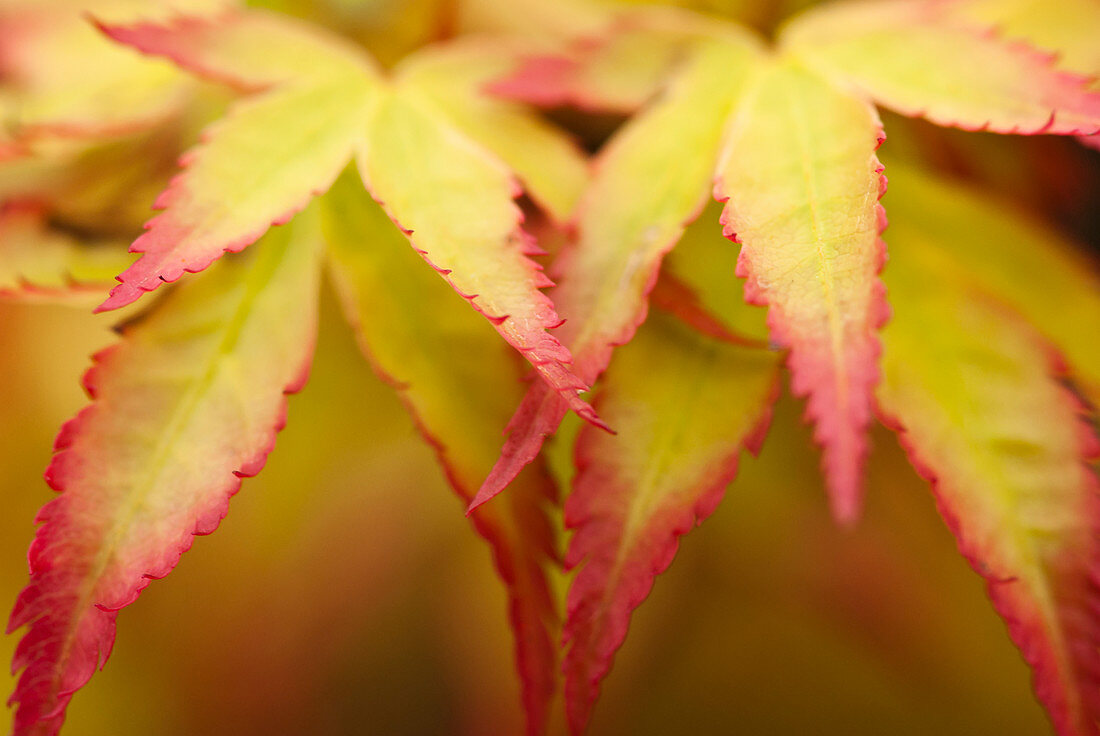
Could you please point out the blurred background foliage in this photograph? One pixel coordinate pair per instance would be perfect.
(346, 594)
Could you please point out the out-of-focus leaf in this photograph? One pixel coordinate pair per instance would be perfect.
(105, 187)
(453, 78)
(184, 407)
(801, 184)
(264, 161)
(981, 412)
(1009, 255)
(619, 73)
(1068, 28)
(542, 23)
(460, 382)
(649, 182)
(67, 80)
(41, 264)
(918, 60)
(683, 405)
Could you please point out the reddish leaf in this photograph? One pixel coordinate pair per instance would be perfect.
(619, 73)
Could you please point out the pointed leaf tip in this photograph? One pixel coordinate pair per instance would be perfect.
(465, 223)
(626, 226)
(460, 381)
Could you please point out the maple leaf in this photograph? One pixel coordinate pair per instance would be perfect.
(208, 371)
(624, 230)
(786, 141)
(808, 222)
(277, 149)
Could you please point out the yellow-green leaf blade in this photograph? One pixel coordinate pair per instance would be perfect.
(683, 406)
(917, 59)
(459, 213)
(801, 183)
(1068, 28)
(983, 415)
(460, 381)
(184, 406)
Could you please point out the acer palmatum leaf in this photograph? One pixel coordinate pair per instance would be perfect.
(323, 102)
(267, 158)
(1005, 444)
(186, 405)
(684, 406)
(460, 383)
(460, 202)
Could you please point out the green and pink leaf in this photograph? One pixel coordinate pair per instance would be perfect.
(262, 163)
(459, 214)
